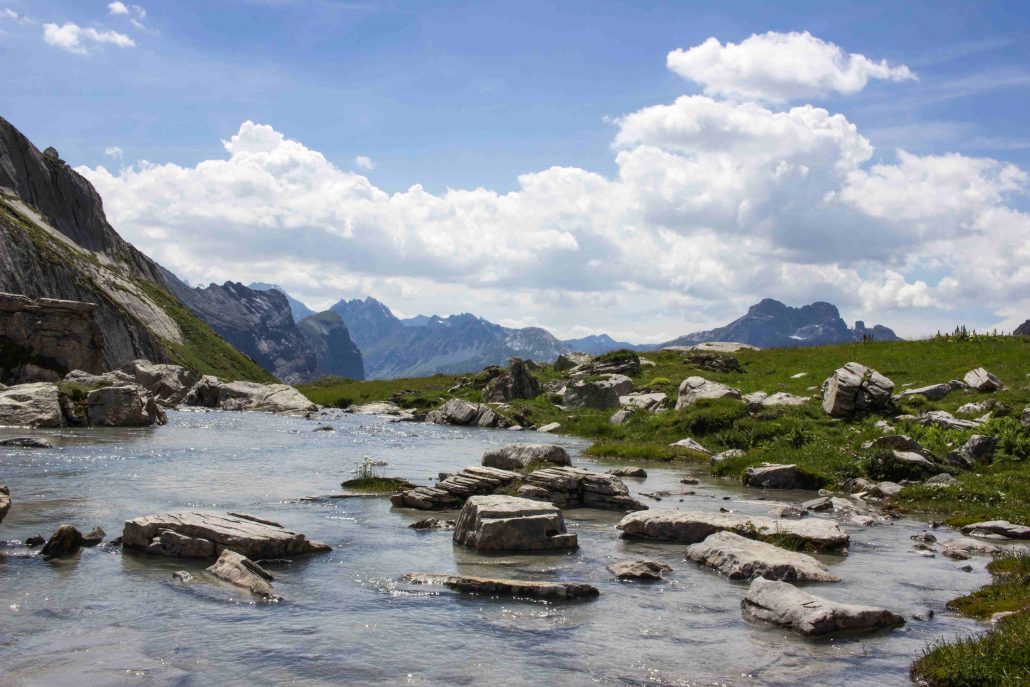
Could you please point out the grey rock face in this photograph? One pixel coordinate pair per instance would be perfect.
(459, 412)
(774, 476)
(639, 570)
(59, 335)
(452, 491)
(982, 380)
(123, 406)
(205, 535)
(690, 527)
(596, 394)
(569, 487)
(169, 384)
(978, 449)
(63, 542)
(31, 405)
(692, 389)
(784, 604)
(515, 382)
(336, 353)
(509, 523)
(551, 591)
(741, 558)
(856, 389)
(239, 570)
(517, 456)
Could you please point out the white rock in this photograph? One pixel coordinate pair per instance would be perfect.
(745, 559)
(785, 605)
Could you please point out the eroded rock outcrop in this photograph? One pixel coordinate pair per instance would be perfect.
(211, 392)
(514, 382)
(123, 406)
(785, 605)
(569, 487)
(55, 336)
(31, 405)
(169, 384)
(509, 523)
(454, 490)
(982, 380)
(599, 394)
(459, 412)
(856, 389)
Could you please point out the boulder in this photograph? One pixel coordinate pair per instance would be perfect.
(856, 389)
(978, 450)
(979, 407)
(509, 523)
(941, 480)
(529, 589)
(5, 501)
(459, 412)
(34, 541)
(645, 401)
(885, 490)
(515, 382)
(452, 491)
(94, 536)
(211, 392)
(690, 444)
(693, 389)
(628, 472)
(775, 476)
(620, 416)
(783, 604)
(549, 427)
(997, 529)
(945, 420)
(639, 570)
(25, 442)
(690, 527)
(169, 384)
(964, 550)
(622, 384)
(567, 361)
(518, 456)
(123, 406)
(982, 380)
(916, 461)
(569, 487)
(727, 455)
(898, 442)
(199, 534)
(376, 408)
(31, 405)
(591, 394)
(760, 399)
(239, 570)
(63, 542)
(741, 558)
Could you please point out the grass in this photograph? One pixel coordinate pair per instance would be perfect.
(376, 485)
(998, 657)
(421, 392)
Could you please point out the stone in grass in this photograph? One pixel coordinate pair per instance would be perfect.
(775, 476)
(783, 604)
(639, 570)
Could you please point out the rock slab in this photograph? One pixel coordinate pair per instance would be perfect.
(239, 570)
(741, 558)
(452, 491)
(690, 527)
(467, 584)
(509, 523)
(783, 604)
(518, 456)
(639, 570)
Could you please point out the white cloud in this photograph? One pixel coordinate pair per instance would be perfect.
(364, 162)
(77, 39)
(117, 8)
(779, 67)
(16, 17)
(113, 151)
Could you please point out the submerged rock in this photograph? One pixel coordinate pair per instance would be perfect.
(94, 536)
(198, 534)
(509, 523)
(517, 456)
(452, 491)
(639, 570)
(689, 527)
(64, 542)
(856, 389)
(693, 389)
(25, 442)
(552, 591)
(239, 570)
(785, 605)
(628, 472)
(5, 501)
(741, 558)
(432, 524)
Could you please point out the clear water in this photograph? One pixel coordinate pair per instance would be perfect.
(108, 618)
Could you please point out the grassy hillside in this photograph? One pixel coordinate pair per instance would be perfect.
(828, 450)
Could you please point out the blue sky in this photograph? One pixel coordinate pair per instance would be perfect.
(472, 95)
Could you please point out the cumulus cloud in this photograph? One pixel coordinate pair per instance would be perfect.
(80, 40)
(113, 151)
(715, 204)
(364, 162)
(779, 67)
(117, 8)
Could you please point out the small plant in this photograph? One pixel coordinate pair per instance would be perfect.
(368, 469)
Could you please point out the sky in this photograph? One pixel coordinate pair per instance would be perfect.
(641, 169)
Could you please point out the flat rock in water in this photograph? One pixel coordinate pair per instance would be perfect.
(1000, 529)
(569, 487)
(31, 405)
(690, 527)
(554, 591)
(741, 558)
(628, 472)
(516, 456)
(452, 491)
(25, 442)
(774, 476)
(509, 523)
(239, 570)
(783, 604)
(199, 534)
(639, 570)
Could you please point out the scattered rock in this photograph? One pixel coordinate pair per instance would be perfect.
(759, 399)
(980, 407)
(788, 511)
(745, 559)
(978, 450)
(94, 537)
(691, 444)
(432, 524)
(856, 485)
(123, 406)
(324, 428)
(515, 382)
(941, 480)
(34, 541)
(692, 389)
(935, 392)
(964, 550)
(376, 408)
(783, 604)
(645, 401)
(239, 570)
(64, 542)
(628, 472)
(820, 504)
(452, 491)
(518, 456)
(552, 591)
(198, 534)
(25, 442)
(31, 405)
(898, 442)
(567, 361)
(5, 501)
(945, 420)
(726, 455)
(690, 527)
(569, 487)
(590, 394)
(1024, 419)
(856, 389)
(549, 427)
(639, 570)
(509, 523)
(620, 416)
(459, 412)
(775, 476)
(982, 380)
(211, 392)
(997, 529)
(885, 490)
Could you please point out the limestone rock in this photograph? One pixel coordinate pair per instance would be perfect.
(25, 442)
(509, 523)
(270, 398)
(376, 408)
(645, 401)
(899, 442)
(979, 407)
(458, 412)
(5, 501)
(999, 529)
(745, 559)
(941, 480)
(31, 405)
(1024, 418)
(620, 416)
(621, 384)
(569, 487)
(567, 361)
(774, 476)
(693, 389)
(885, 490)
(551, 591)
(855, 389)
(783, 604)
(945, 420)
(204, 534)
(628, 472)
(982, 380)
(169, 384)
(517, 456)
(591, 394)
(727, 455)
(978, 450)
(239, 570)
(639, 570)
(63, 542)
(549, 427)
(123, 406)
(515, 382)
(935, 392)
(690, 527)
(452, 491)
(690, 444)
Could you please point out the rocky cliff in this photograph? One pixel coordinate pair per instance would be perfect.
(335, 353)
(56, 243)
(771, 324)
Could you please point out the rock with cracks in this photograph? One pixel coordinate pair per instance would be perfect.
(774, 476)
(509, 523)
(741, 558)
(515, 382)
(693, 389)
(690, 527)
(591, 394)
(199, 534)
(489, 586)
(783, 604)
(982, 380)
(568, 487)
(239, 570)
(517, 456)
(459, 412)
(855, 390)
(31, 405)
(211, 392)
(452, 491)
(123, 406)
